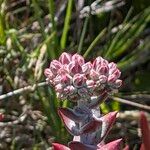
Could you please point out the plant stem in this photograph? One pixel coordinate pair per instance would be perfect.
(121, 100)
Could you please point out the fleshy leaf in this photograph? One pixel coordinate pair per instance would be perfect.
(69, 123)
(108, 121)
(92, 126)
(145, 131)
(98, 100)
(114, 145)
(58, 146)
(80, 146)
(71, 114)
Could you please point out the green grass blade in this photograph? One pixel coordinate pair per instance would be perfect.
(95, 41)
(54, 29)
(129, 32)
(66, 24)
(83, 34)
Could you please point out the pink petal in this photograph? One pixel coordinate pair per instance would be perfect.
(145, 131)
(65, 58)
(114, 145)
(58, 146)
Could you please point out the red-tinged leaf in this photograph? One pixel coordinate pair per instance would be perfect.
(114, 145)
(69, 124)
(58, 146)
(142, 147)
(72, 114)
(108, 121)
(1, 117)
(92, 126)
(98, 100)
(80, 146)
(126, 148)
(145, 131)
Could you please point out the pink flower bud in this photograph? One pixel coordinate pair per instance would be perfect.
(97, 62)
(112, 67)
(117, 73)
(70, 90)
(102, 79)
(66, 79)
(103, 70)
(94, 75)
(86, 68)
(59, 88)
(48, 73)
(78, 58)
(90, 83)
(74, 68)
(112, 78)
(118, 83)
(79, 80)
(65, 58)
(55, 66)
(56, 80)
(63, 69)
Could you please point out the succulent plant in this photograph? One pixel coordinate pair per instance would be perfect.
(88, 84)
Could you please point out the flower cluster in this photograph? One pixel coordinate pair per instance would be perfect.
(87, 83)
(75, 79)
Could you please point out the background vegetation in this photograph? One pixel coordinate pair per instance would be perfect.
(33, 32)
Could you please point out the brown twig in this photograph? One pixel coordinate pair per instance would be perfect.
(21, 90)
(121, 100)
